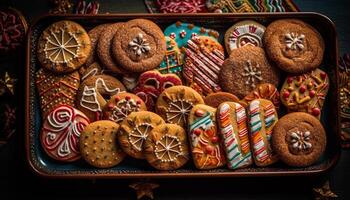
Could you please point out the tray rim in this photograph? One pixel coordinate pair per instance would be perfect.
(166, 174)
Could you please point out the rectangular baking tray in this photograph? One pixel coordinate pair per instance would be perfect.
(129, 168)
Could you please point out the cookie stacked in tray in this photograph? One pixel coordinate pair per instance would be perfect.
(180, 95)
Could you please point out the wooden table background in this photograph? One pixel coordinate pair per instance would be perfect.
(16, 178)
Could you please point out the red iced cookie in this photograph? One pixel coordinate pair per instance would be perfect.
(181, 6)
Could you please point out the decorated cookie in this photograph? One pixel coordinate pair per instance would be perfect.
(104, 49)
(306, 92)
(263, 91)
(61, 131)
(134, 131)
(173, 59)
(152, 83)
(175, 103)
(215, 99)
(245, 69)
(89, 71)
(181, 6)
(99, 146)
(130, 81)
(139, 45)
(207, 152)
(295, 47)
(244, 33)
(229, 6)
(232, 123)
(183, 32)
(56, 89)
(94, 93)
(121, 105)
(262, 117)
(204, 58)
(299, 139)
(94, 35)
(63, 47)
(166, 147)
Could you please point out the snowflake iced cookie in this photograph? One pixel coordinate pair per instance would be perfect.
(139, 45)
(134, 131)
(63, 47)
(166, 147)
(175, 103)
(246, 68)
(121, 105)
(94, 93)
(299, 139)
(295, 46)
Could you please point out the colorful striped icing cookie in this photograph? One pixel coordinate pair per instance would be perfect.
(232, 122)
(262, 117)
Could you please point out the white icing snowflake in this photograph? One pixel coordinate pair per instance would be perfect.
(168, 148)
(294, 41)
(301, 140)
(139, 45)
(252, 73)
(139, 135)
(178, 108)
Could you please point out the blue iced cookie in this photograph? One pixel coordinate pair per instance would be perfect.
(173, 59)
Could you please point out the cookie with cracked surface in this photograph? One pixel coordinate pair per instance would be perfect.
(299, 139)
(215, 99)
(94, 35)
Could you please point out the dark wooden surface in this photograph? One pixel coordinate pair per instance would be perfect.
(16, 178)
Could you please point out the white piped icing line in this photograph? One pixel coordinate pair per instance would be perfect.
(301, 140)
(168, 148)
(139, 45)
(137, 137)
(252, 74)
(180, 109)
(294, 41)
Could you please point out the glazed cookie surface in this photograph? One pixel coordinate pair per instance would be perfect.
(94, 35)
(299, 139)
(166, 147)
(61, 131)
(99, 146)
(139, 45)
(94, 93)
(263, 91)
(175, 103)
(295, 47)
(247, 67)
(173, 59)
(215, 99)
(207, 152)
(63, 47)
(134, 131)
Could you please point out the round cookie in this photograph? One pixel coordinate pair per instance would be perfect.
(175, 103)
(299, 139)
(94, 93)
(215, 99)
(121, 105)
(63, 47)
(139, 45)
(135, 129)
(94, 35)
(263, 91)
(99, 146)
(61, 131)
(91, 70)
(104, 50)
(295, 46)
(244, 69)
(166, 147)
(244, 33)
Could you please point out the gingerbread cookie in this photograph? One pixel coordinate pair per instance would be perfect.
(244, 33)
(175, 103)
(173, 59)
(181, 6)
(299, 139)
(130, 81)
(232, 123)
(262, 118)
(295, 46)
(94, 35)
(204, 58)
(121, 105)
(104, 49)
(55, 89)
(94, 93)
(245, 69)
(305, 92)
(166, 147)
(134, 131)
(99, 146)
(207, 152)
(139, 45)
(89, 71)
(61, 131)
(263, 91)
(215, 99)
(63, 47)
(152, 83)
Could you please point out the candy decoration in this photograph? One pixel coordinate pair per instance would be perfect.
(173, 59)
(181, 6)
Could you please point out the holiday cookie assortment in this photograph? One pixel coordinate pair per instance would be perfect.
(178, 95)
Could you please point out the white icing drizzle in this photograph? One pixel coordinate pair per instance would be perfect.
(252, 73)
(123, 108)
(301, 140)
(166, 146)
(178, 108)
(92, 72)
(294, 41)
(137, 137)
(139, 45)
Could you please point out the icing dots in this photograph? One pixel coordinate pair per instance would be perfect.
(123, 107)
(139, 134)
(294, 41)
(178, 111)
(168, 148)
(139, 45)
(252, 74)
